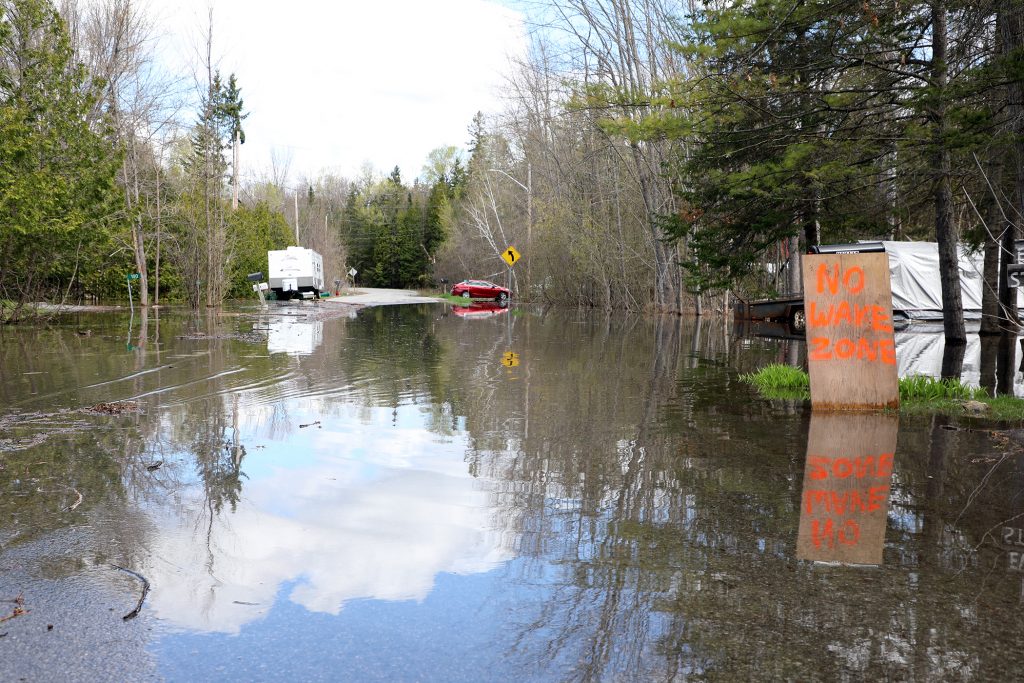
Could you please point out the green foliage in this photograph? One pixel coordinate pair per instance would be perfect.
(57, 172)
(780, 381)
(924, 388)
(393, 231)
(918, 393)
(810, 118)
(254, 231)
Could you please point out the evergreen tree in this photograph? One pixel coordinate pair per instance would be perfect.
(57, 172)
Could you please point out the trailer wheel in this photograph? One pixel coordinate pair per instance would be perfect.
(798, 320)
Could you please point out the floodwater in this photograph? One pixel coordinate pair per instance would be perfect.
(422, 493)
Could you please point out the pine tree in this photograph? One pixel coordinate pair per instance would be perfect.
(57, 171)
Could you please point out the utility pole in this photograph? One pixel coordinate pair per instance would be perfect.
(296, 196)
(234, 171)
(529, 225)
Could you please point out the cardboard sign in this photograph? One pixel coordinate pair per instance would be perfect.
(851, 351)
(847, 477)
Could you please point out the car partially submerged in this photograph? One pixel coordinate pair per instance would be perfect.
(481, 289)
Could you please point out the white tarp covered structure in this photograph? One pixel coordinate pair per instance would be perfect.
(916, 290)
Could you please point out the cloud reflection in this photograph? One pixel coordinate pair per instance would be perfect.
(375, 511)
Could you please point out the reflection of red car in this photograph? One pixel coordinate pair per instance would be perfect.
(480, 310)
(481, 289)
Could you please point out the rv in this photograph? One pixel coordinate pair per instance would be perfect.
(295, 272)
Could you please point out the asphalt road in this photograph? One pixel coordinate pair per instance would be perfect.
(367, 296)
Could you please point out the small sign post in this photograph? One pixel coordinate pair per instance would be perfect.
(510, 359)
(850, 346)
(128, 279)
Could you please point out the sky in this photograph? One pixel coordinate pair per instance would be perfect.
(333, 85)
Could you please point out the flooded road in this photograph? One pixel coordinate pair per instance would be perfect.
(426, 493)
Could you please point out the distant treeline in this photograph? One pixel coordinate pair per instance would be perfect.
(650, 154)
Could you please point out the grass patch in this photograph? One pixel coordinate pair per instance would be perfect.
(923, 388)
(456, 300)
(918, 393)
(780, 381)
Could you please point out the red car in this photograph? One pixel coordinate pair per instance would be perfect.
(480, 310)
(481, 289)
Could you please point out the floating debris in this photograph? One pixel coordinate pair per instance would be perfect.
(19, 609)
(155, 466)
(311, 424)
(76, 503)
(115, 408)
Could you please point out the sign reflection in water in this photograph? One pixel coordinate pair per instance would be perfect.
(847, 478)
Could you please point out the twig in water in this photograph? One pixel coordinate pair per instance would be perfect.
(19, 609)
(142, 598)
(76, 503)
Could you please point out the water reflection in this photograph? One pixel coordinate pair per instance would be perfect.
(399, 504)
(296, 337)
(372, 510)
(847, 476)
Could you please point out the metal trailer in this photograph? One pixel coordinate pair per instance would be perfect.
(295, 272)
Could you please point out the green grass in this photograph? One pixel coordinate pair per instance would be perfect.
(457, 300)
(780, 381)
(923, 388)
(918, 393)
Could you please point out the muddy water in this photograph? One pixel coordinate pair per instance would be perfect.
(417, 493)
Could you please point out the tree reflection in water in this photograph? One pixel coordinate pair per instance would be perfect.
(651, 500)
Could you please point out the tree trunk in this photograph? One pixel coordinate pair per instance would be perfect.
(795, 277)
(1011, 34)
(991, 316)
(945, 228)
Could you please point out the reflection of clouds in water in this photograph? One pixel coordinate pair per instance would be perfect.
(376, 512)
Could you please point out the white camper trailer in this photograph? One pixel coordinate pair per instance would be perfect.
(295, 272)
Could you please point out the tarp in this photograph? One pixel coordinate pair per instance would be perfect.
(916, 290)
(920, 353)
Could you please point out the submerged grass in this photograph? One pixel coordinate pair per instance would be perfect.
(918, 393)
(780, 381)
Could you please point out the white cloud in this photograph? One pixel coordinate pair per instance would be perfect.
(373, 511)
(335, 84)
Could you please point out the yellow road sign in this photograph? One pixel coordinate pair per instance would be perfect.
(510, 255)
(510, 360)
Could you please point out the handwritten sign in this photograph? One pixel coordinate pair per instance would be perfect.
(850, 347)
(847, 478)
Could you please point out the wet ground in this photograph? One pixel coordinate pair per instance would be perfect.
(426, 493)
